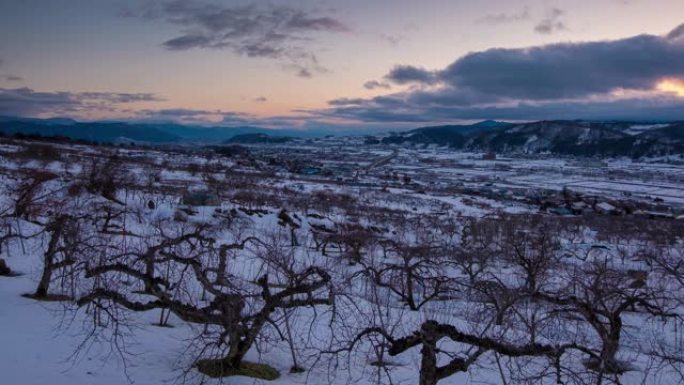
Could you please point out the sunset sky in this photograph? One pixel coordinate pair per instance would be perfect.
(352, 63)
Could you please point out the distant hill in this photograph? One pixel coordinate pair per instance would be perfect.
(448, 135)
(47, 122)
(567, 137)
(94, 132)
(210, 134)
(116, 132)
(582, 138)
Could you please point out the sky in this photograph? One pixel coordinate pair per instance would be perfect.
(342, 64)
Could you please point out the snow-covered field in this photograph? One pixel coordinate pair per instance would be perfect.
(347, 256)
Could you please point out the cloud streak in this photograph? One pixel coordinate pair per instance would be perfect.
(405, 74)
(374, 84)
(28, 102)
(505, 18)
(214, 117)
(11, 78)
(552, 22)
(256, 30)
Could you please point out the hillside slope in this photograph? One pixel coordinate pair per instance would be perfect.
(563, 137)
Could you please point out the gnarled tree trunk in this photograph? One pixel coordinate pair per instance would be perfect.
(56, 229)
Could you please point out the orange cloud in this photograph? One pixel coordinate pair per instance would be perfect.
(673, 85)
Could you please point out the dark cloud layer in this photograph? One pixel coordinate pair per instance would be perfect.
(568, 80)
(27, 102)
(398, 111)
(256, 30)
(568, 70)
(676, 33)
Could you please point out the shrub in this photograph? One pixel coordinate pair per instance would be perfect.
(219, 368)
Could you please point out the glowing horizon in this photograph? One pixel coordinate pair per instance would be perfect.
(312, 63)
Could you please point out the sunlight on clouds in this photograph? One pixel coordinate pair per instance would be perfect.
(675, 86)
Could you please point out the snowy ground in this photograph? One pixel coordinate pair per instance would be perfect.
(41, 343)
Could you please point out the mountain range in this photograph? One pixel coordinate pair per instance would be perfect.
(564, 137)
(108, 132)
